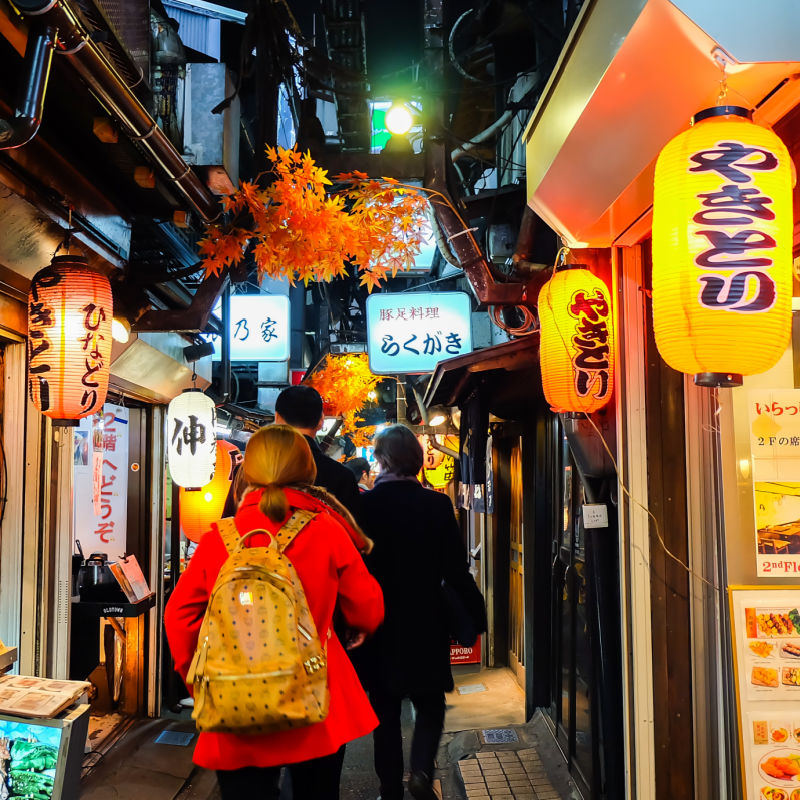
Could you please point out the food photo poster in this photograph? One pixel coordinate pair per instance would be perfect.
(766, 643)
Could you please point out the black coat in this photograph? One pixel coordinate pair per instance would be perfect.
(417, 545)
(337, 479)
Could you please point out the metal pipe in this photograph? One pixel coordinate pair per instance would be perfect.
(97, 72)
(225, 354)
(30, 101)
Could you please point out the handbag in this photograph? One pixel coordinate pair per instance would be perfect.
(466, 612)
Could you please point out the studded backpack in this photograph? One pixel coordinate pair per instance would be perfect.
(259, 665)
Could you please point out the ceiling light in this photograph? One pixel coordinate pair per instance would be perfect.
(399, 120)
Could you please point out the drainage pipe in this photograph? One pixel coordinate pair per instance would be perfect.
(23, 126)
(93, 67)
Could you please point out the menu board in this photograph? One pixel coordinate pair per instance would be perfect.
(766, 642)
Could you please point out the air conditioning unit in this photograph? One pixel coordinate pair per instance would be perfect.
(211, 141)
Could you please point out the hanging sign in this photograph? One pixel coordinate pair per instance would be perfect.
(259, 328)
(102, 526)
(775, 448)
(97, 461)
(412, 333)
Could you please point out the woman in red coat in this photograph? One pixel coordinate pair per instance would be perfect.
(331, 570)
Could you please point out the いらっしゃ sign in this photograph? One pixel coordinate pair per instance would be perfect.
(411, 333)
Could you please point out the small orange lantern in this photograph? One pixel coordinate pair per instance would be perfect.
(69, 339)
(576, 346)
(201, 507)
(722, 248)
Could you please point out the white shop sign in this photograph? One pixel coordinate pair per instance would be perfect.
(412, 332)
(259, 328)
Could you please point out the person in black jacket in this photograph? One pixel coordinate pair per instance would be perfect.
(417, 545)
(301, 407)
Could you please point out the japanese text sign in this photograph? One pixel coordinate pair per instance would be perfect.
(100, 518)
(412, 333)
(774, 417)
(259, 328)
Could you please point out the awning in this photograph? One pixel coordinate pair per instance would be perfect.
(454, 379)
(629, 79)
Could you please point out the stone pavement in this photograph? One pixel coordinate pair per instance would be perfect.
(507, 775)
(523, 764)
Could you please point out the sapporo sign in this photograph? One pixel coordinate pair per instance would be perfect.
(413, 332)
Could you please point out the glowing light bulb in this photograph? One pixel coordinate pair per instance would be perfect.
(399, 120)
(208, 497)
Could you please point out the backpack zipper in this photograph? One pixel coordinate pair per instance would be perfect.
(275, 674)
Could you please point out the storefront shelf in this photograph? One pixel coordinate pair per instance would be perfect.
(113, 609)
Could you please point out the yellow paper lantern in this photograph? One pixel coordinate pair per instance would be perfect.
(722, 248)
(576, 345)
(69, 339)
(200, 507)
(443, 472)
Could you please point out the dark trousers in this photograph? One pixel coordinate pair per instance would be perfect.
(317, 779)
(388, 737)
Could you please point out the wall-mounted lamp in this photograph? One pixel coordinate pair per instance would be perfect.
(120, 329)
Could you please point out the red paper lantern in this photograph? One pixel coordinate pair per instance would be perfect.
(201, 507)
(722, 248)
(576, 345)
(69, 339)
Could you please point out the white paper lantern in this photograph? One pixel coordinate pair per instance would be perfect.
(191, 439)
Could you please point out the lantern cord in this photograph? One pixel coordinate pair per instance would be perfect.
(194, 374)
(649, 513)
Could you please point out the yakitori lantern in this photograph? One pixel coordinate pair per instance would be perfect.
(191, 439)
(576, 345)
(201, 507)
(69, 339)
(722, 248)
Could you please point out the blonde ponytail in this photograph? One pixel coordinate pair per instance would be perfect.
(273, 503)
(277, 456)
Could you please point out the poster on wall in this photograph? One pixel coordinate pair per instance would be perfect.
(100, 482)
(774, 418)
(766, 643)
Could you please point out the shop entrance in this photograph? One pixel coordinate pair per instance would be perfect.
(585, 697)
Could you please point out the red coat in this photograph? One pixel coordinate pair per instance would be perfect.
(330, 569)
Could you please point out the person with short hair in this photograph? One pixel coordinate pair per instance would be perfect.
(417, 545)
(301, 407)
(278, 466)
(361, 468)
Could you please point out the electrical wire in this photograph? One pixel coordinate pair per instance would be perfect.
(649, 513)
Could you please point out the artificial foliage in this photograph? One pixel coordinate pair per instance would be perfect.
(345, 383)
(298, 228)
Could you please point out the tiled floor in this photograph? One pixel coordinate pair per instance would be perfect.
(507, 774)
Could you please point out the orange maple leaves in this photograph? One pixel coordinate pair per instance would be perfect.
(345, 383)
(294, 228)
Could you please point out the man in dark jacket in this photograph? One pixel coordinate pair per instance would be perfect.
(301, 407)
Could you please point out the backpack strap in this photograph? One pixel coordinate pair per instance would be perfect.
(229, 533)
(299, 519)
